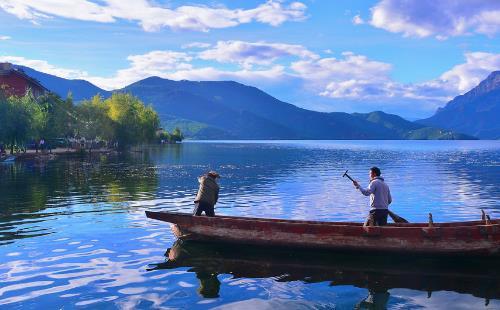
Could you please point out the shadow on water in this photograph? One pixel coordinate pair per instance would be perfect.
(378, 273)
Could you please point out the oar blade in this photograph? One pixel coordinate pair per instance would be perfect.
(396, 218)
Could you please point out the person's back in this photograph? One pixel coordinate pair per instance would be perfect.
(380, 196)
(208, 194)
(208, 191)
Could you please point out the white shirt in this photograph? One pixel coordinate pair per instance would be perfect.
(380, 195)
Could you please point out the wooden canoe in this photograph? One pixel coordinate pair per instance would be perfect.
(457, 238)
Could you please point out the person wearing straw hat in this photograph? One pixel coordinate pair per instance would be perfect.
(208, 194)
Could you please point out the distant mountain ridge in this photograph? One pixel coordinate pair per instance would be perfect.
(230, 110)
(476, 112)
(249, 113)
(228, 107)
(411, 130)
(79, 89)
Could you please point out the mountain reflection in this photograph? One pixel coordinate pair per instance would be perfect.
(376, 273)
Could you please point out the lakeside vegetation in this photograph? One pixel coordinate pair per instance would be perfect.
(120, 122)
(166, 137)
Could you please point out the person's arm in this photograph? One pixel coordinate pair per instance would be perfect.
(201, 180)
(368, 191)
(216, 195)
(389, 200)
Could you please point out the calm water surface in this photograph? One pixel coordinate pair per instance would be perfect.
(73, 232)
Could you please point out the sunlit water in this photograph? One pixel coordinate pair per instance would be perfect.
(73, 231)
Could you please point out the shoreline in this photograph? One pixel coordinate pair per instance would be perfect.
(48, 155)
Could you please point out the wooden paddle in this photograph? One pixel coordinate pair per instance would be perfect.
(396, 218)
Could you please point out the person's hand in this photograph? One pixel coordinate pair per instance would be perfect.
(355, 183)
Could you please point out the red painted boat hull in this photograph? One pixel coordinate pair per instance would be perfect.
(459, 238)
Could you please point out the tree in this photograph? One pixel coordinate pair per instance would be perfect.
(21, 119)
(92, 120)
(164, 136)
(60, 116)
(176, 135)
(122, 118)
(133, 122)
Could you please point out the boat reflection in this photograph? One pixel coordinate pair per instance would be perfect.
(378, 274)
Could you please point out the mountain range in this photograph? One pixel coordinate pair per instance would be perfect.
(231, 110)
(476, 112)
(226, 109)
(79, 89)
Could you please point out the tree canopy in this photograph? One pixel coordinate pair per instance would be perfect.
(121, 120)
(20, 119)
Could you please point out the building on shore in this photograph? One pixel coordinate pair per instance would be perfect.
(14, 82)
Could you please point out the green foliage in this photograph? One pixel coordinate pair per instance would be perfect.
(404, 129)
(189, 128)
(21, 119)
(431, 133)
(175, 136)
(93, 122)
(59, 116)
(121, 119)
(164, 136)
(132, 121)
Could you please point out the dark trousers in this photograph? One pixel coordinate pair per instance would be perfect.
(379, 216)
(201, 206)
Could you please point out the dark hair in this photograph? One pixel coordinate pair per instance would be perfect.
(376, 170)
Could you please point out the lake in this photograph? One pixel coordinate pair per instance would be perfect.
(73, 233)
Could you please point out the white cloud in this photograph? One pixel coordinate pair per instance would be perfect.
(153, 17)
(247, 53)
(274, 13)
(357, 20)
(351, 79)
(34, 10)
(359, 78)
(477, 66)
(44, 66)
(155, 63)
(4, 38)
(352, 66)
(178, 66)
(273, 74)
(459, 79)
(196, 45)
(361, 89)
(442, 19)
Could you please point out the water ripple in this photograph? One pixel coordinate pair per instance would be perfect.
(73, 232)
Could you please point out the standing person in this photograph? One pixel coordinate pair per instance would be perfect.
(42, 144)
(380, 196)
(208, 194)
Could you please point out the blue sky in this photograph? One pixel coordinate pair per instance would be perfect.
(406, 57)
